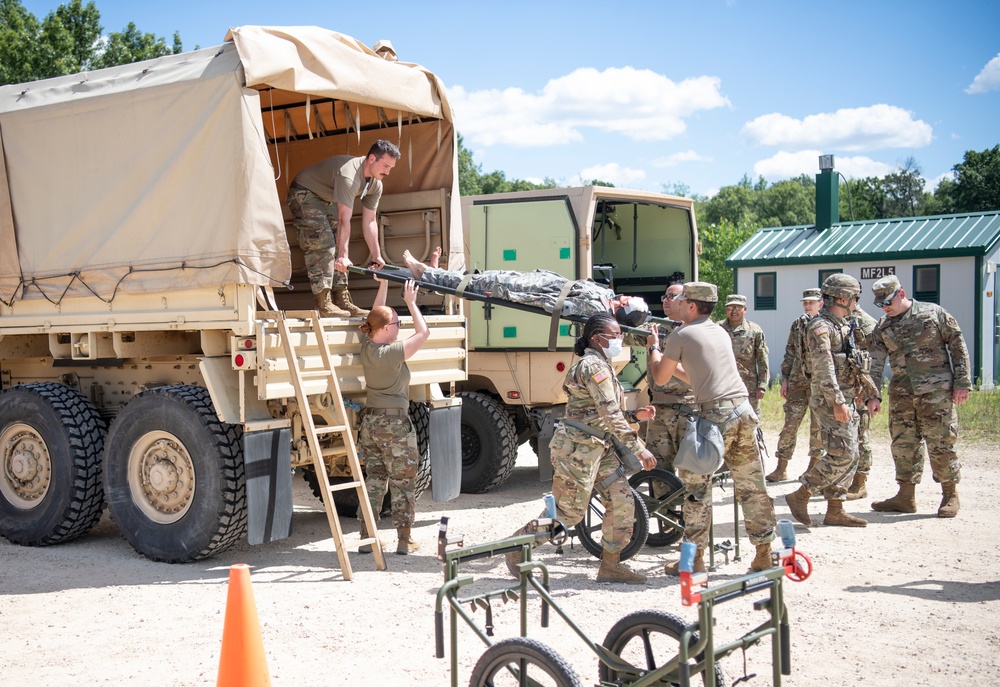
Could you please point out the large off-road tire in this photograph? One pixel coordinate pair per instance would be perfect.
(489, 443)
(589, 529)
(346, 500)
(648, 640)
(522, 661)
(174, 476)
(51, 439)
(663, 493)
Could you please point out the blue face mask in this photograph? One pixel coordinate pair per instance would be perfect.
(613, 348)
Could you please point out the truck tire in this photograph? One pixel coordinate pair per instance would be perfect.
(174, 476)
(51, 438)
(347, 501)
(489, 443)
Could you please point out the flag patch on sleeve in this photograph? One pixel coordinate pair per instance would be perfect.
(820, 331)
(601, 376)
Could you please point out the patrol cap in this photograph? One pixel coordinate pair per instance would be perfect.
(885, 287)
(736, 299)
(812, 295)
(699, 291)
(841, 285)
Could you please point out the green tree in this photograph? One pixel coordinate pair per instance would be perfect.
(131, 45)
(718, 242)
(786, 203)
(977, 182)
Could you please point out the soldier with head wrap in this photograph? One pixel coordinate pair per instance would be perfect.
(749, 347)
(930, 377)
(837, 375)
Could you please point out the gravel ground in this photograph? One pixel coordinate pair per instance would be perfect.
(910, 600)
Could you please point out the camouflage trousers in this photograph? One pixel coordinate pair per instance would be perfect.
(316, 226)
(864, 440)
(796, 406)
(834, 471)
(663, 435)
(924, 418)
(742, 458)
(577, 468)
(388, 444)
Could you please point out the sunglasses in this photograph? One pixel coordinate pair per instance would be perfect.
(888, 301)
(670, 296)
(389, 324)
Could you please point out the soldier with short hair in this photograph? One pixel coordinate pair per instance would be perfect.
(749, 347)
(930, 378)
(837, 380)
(795, 390)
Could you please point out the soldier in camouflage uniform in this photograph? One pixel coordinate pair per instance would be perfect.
(862, 330)
(795, 390)
(837, 370)
(701, 354)
(387, 440)
(930, 377)
(580, 462)
(749, 347)
(321, 199)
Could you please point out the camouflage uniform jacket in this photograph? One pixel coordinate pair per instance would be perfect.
(863, 333)
(925, 348)
(596, 398)
(833, 380)
(793, 369)
(750, 350)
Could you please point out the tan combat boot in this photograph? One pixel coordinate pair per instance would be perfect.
(613, 570)
(342, 299)
(836, 516)
(762, 561)
(949, 500)
(326, 307)
(903, 502)
(779, 474)
(363, 534)
(858, 488)
(698, 567)
(513, 559)
(405, 545)
(812, 461)
(798, 503)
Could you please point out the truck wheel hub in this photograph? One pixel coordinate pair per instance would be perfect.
(26, 466)
(161, 476)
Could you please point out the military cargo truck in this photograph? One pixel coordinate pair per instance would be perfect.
(146, 254)
(633, 241)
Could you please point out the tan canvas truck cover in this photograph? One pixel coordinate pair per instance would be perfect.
(161, 175)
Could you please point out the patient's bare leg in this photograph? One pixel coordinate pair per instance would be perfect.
(415, 266)
(435, 260)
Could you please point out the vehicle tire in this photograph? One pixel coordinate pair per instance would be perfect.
(489, 443)
(522, 661)
(589, 529)
(651, 482)
(647, 640)
(174, 475)
(51, 438)
(346, 500)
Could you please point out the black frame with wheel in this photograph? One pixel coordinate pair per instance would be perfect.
(588, 530)
(516, 660)
(666, 513)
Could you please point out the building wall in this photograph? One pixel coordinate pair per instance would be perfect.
(957, 290)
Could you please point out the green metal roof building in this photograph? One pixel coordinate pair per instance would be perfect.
(945, 259)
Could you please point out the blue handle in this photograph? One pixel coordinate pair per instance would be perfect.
(688, 550)
(550, 505)
(787, 531)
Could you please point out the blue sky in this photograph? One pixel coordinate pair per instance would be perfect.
(644, 94)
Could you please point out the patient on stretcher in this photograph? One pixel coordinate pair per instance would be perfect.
(539, 288)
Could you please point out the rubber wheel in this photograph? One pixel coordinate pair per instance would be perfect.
(346, 501)
(647, 640)
(489, 443)
(522, 661)
(669, 504)
(589, 529)
(51, 439)
(174, 476)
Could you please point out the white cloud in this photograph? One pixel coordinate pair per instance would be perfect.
(860, 128)
(636, 103)
(624, 177)
(677, 158)
(931, 184)
(988, 79)
(784, 165)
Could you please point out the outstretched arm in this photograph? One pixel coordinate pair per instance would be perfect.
(421, 332)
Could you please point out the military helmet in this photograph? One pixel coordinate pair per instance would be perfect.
(841, 285)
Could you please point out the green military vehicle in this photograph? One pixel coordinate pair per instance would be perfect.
(145, 255)
(634, 241)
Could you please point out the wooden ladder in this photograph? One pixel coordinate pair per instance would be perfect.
(348, 448)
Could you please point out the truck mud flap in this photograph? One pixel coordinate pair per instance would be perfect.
(446, 453)
(269, 484)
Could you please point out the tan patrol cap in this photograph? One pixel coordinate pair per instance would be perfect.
(812, 294)
(736, 299)
(700, 291)
(885, 287)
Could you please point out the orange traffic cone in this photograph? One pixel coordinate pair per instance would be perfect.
(242, 663)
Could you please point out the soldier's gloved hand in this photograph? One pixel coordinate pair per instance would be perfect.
(647, 459)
